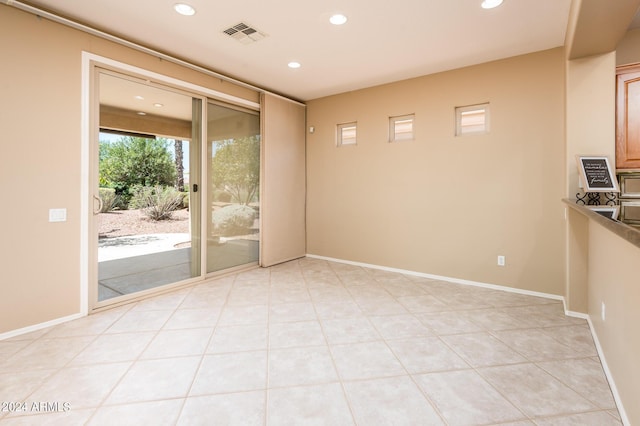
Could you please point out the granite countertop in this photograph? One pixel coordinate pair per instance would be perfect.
(627, 232)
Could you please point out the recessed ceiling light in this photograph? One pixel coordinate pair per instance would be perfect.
(184, 9)
(140, 98)
(490, 4)
(158, 105)
(338, 19)
(142, 113)
(294, 64)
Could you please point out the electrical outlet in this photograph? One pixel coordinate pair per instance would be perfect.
(501, 260)
(603, 312)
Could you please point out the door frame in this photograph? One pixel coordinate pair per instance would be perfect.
(89, 135)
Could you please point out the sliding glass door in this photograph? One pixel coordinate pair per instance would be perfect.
(146, 207)
(160, 187)
(233, 177)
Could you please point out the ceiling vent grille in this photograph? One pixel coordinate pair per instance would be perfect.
(244, 33)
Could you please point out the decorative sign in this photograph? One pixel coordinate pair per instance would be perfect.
(596, 174)
(610, 212)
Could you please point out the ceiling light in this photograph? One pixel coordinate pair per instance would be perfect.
(294, 64)
(158, 105)
(140, 98)
(142, 113)
(490, 4)
(184, 9)
(338, 19)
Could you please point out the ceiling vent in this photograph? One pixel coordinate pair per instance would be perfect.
(244, 33)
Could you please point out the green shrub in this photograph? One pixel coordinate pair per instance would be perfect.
(232, 220)
(185, 200)
(156, 202)
(221, 196)
(109, 199)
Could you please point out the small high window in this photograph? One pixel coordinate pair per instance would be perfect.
(472, 119)
(346, 134)
(401, 128)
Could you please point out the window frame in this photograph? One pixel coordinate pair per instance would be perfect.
(340, 131)
(463, 130)
(393, 131)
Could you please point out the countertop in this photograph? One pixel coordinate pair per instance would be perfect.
(627, 232)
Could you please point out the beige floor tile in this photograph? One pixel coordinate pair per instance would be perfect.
(114, 348)
(177, 343)
(291, 312)
(390, 401)
(152, 380)
(10, 347)
(234, 372)
(337, 309)
(334, 294)
(238, 338)
(81, 387)
(168, 301)
(399, 326)
(465, 398)
(65, 418)
(91, 325)
(157, 413)
(248, 296)
(289, 295)
(426, 354)
(426, 303)
(204, 300)
(349, 330)
(308, 405)
(445, 323)
(140, 320)
(534, 391)
(586, 377)
(193, 318)
(535, 345)
(577, 337)
(494, 319)
(597, 418)
(381, 306)
(243, 315)
(482, 350)
(45, 354)
(403, 288)
(365, 361)
(301, 366)
(238, 409)
(17, 386)
(292, 334)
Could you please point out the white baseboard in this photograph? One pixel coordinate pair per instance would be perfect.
(42, 325)
(607, 373)
(442, 278)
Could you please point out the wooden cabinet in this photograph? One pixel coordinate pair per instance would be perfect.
(628, 117)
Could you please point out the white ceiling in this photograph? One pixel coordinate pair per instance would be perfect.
(383, 41)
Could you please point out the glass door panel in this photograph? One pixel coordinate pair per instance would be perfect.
(233, 176)
(148, 166)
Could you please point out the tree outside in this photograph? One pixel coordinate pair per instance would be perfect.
(132, 161)
(236, 168)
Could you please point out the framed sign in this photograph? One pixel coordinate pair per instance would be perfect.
(596, 174)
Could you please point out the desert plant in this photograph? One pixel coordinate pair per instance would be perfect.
(233, 220)
(109, 199)
(156, 202)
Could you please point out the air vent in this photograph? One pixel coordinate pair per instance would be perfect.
(244, 33)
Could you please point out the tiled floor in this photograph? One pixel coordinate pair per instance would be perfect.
(313, 342)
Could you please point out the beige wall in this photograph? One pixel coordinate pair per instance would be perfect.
(442, 204)
(40, 112)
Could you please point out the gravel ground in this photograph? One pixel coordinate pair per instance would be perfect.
(122, 223)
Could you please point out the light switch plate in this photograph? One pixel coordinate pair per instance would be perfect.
(57, 215)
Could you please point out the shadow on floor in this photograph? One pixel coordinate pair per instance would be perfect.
(137, 273)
